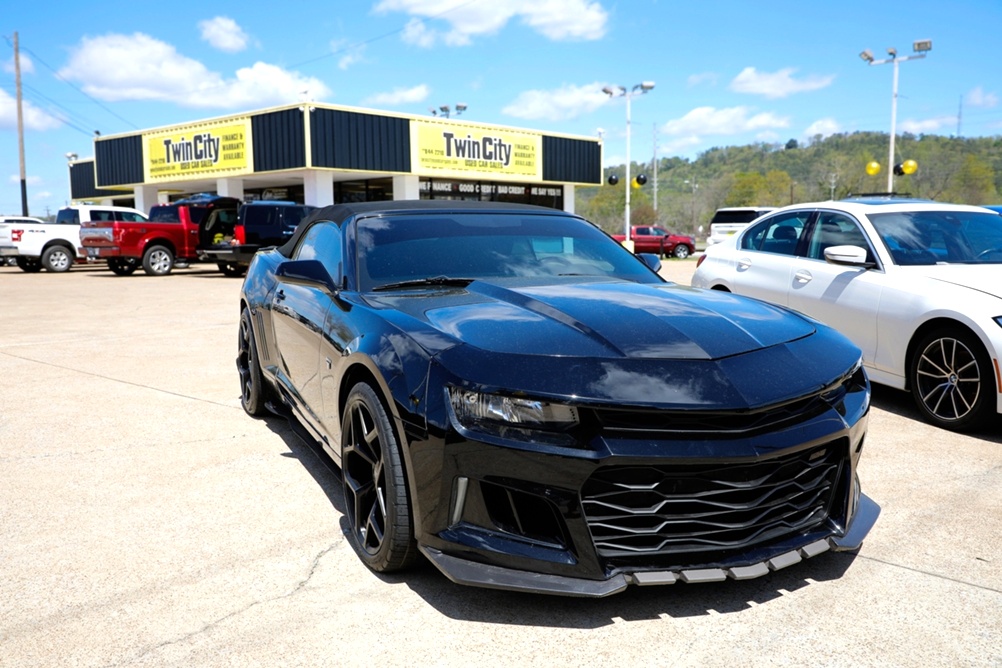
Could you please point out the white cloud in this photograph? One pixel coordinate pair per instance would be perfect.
(562, 104)
(139, 67)
(399, 96)
(29, 180)
(777, 84)
(702, 78)
(224, 34)
(927, 125)
(350, 53)
(767, 136)
(33, 117)
(41, 195)
(554, 19)
(27, 66)
(823, 126)
(979, 98)
(730, 121)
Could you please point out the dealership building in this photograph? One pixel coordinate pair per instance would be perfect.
(322, 154)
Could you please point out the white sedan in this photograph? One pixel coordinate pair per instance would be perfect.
(917, 285)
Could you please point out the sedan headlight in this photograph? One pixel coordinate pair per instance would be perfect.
(513, 418)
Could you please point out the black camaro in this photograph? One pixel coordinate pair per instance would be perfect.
(513, 394)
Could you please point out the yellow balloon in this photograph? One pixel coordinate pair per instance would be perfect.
(873, 168)
(634, 183)
(909, 167)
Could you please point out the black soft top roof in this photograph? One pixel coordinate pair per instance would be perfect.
(338, 213)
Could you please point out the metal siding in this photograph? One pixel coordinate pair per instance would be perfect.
(572, 160)
(119, 161)
(83, 182)
(364, 142)
(279, 140)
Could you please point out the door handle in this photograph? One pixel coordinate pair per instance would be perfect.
(280, 295)
(744, 263)
(803, 276)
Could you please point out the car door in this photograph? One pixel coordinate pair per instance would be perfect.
(299, 314)
(765, 256)
(845, 297)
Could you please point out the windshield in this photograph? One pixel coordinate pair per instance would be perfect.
(941, 237)
(395, 249)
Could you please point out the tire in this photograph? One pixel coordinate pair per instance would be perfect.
(951, 380)
(254, 394)
(29, 265)
(232, 269)
(58, 258)
(158, 261)
(377, 505)
(681, 251)
(123, 267)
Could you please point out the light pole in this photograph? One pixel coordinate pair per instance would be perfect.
(622, 91)
(920, 47)
(444, 110)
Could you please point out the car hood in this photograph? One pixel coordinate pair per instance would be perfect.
(601, 319)
(980, 277)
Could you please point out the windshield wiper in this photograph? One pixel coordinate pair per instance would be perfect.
(433, 281)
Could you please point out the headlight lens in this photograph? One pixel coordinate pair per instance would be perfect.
(479, 410)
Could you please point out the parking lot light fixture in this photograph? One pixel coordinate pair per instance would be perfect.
(920, 47)
(628, 94)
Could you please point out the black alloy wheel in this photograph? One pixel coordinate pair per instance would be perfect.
(253, 393)
(377, 506)
(951, 379)
(681, 251)
(29, 265)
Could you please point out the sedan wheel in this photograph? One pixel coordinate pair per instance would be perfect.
(681, 251)
(950, 380)
(253, 393)
(377, 506)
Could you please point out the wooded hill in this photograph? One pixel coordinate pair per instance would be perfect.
(950, 169)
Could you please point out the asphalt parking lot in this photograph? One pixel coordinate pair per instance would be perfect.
(147, 521)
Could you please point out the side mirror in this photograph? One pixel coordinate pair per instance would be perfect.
(310, 273)
(853, 256)
(652, 261)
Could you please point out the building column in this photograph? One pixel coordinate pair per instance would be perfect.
(569, 198)
(406, 186)
(318, 188)
(146, 197)
(230, 188)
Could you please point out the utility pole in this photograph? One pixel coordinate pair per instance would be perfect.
(20, 128)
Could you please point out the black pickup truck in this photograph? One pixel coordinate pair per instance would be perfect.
(259, 224)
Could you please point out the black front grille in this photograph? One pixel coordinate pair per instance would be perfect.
(681, 508)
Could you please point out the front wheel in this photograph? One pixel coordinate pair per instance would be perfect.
(30, 265)
(122, 267)
(377, 505)
(158, 261)
(681, 251)
(951, 379)
(57, 258)
(253, 393)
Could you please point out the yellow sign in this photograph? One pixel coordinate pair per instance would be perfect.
(215, 148)
(461, 150)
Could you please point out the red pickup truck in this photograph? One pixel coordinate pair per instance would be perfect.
(174, 232)
(658, 240)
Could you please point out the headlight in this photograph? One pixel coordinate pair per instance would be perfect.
(473, 409)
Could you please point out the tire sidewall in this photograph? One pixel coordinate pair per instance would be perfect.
(51, 259)
(151, 264)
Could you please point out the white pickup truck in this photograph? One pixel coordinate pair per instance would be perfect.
(37, 245)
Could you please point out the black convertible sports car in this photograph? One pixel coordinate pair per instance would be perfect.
(513, 394)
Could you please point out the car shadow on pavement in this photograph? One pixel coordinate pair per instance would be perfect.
(900, 403)
(313, 458)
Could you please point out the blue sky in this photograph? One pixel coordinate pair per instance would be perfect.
(727, 72)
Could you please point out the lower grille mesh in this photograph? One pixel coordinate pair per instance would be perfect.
(681, 508)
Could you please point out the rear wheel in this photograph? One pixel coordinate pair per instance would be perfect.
(253, 393)
(158, 261)
(951, 379)
(29, 264)
(123, 267)
(681, 251)
(377, 505)
(57, 258)
(233, 269)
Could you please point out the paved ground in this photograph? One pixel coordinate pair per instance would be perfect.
(147, 521)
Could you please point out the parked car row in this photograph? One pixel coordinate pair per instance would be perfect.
(917, 285)
(201, 227)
